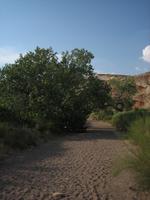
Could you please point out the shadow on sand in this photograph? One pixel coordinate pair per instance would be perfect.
(56, 148)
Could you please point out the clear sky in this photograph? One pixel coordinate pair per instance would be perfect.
(117, 32)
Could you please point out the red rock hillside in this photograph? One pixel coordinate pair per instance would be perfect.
(142, 97)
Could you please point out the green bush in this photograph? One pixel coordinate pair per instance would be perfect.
(123, 120)
(3, 132)
(102, 115)
(139, 134)
(139, 158)
(123, 92)
(17, 138)
(47, 130)
(11, 117)
(20, 138)
(4, 127)
(40, 87)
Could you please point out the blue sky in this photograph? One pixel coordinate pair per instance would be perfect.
(117, 32)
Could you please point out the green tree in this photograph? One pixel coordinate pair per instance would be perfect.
(41, 88)
(25, 84)
(123, 91)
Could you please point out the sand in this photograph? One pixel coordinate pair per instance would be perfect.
(76, 167)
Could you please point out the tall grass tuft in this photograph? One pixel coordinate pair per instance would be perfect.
(139, 135)
(139, 158)
(123, 120)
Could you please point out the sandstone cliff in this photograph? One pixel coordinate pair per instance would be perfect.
(142, 97)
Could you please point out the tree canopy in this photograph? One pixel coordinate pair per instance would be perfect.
(40, 87)
(123, 91)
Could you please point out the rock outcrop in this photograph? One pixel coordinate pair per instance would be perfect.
(142, 97)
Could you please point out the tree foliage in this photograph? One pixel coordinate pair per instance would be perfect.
(123, 91)
(41, 88)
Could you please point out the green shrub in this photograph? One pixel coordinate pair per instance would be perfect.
(139, 134)
(4, 127)
(123, 91)
(40, 87)
(20, 138)
(102, 115)
(47, 130)
(139, 158)
(17, 138)
(123, 120)
(3, 132)
(7, 115)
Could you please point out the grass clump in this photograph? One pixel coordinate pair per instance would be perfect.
(16, 137)
(139, 134)
(139, 158)
(123, 120)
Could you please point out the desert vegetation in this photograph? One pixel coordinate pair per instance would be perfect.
(138, 160)
(139, 135)
(41, 93)
(133, 125)
(123, 120)
(122, 92)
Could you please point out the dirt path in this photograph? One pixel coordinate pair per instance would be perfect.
(79, 167)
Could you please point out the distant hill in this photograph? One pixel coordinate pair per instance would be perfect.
(142, 97)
